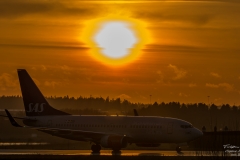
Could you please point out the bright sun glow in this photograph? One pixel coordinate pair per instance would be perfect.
(114, 40)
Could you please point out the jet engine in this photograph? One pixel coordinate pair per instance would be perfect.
(113, 141)
(148, 144)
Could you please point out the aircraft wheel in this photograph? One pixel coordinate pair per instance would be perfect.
(178, 149)
(116, 150)
(96, 148)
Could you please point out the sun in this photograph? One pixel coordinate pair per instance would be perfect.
(115, 41)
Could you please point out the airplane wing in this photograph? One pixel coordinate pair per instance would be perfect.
(74, 134)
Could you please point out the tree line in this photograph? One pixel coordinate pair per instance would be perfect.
(199, 114)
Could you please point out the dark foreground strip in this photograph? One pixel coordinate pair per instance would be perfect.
(98, 157)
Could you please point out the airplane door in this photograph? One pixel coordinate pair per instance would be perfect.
(170, 128)
(111, 127)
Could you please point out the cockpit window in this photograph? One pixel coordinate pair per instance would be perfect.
(186, 126)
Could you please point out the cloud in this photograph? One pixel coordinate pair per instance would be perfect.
(51, 46)
(216, 75)
(180, 73)
(51, 83)
(226, 86)
(125, 80)
(172, 47)
(182, 95)
(160, 77)
(212, 85)
(16, 9)
(124, 96)
(159, 72)
(65, 68)
(12, 9)
(37, 82)
(192, 85)
(169, 13)
(216, 100)
(7, 81)
(197, 19)
(43, 68)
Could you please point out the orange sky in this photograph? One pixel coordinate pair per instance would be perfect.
(194, 50)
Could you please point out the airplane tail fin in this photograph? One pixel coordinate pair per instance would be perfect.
(34, 102)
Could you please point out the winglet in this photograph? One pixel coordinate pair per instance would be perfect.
(135, 112)
(12, 120)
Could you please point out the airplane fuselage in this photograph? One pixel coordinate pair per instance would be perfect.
(142, 129)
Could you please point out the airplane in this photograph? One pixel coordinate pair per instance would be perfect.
(114, 132)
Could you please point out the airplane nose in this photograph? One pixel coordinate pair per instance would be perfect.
(197, 133)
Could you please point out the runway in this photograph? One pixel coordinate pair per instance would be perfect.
(6, 154)
(103, 153)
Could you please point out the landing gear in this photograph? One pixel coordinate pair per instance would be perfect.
(178, 149)
(116, 150)
(96, 148)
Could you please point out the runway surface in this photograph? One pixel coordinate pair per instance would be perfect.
(104, 152)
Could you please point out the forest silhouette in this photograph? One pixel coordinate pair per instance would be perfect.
(199, 114)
